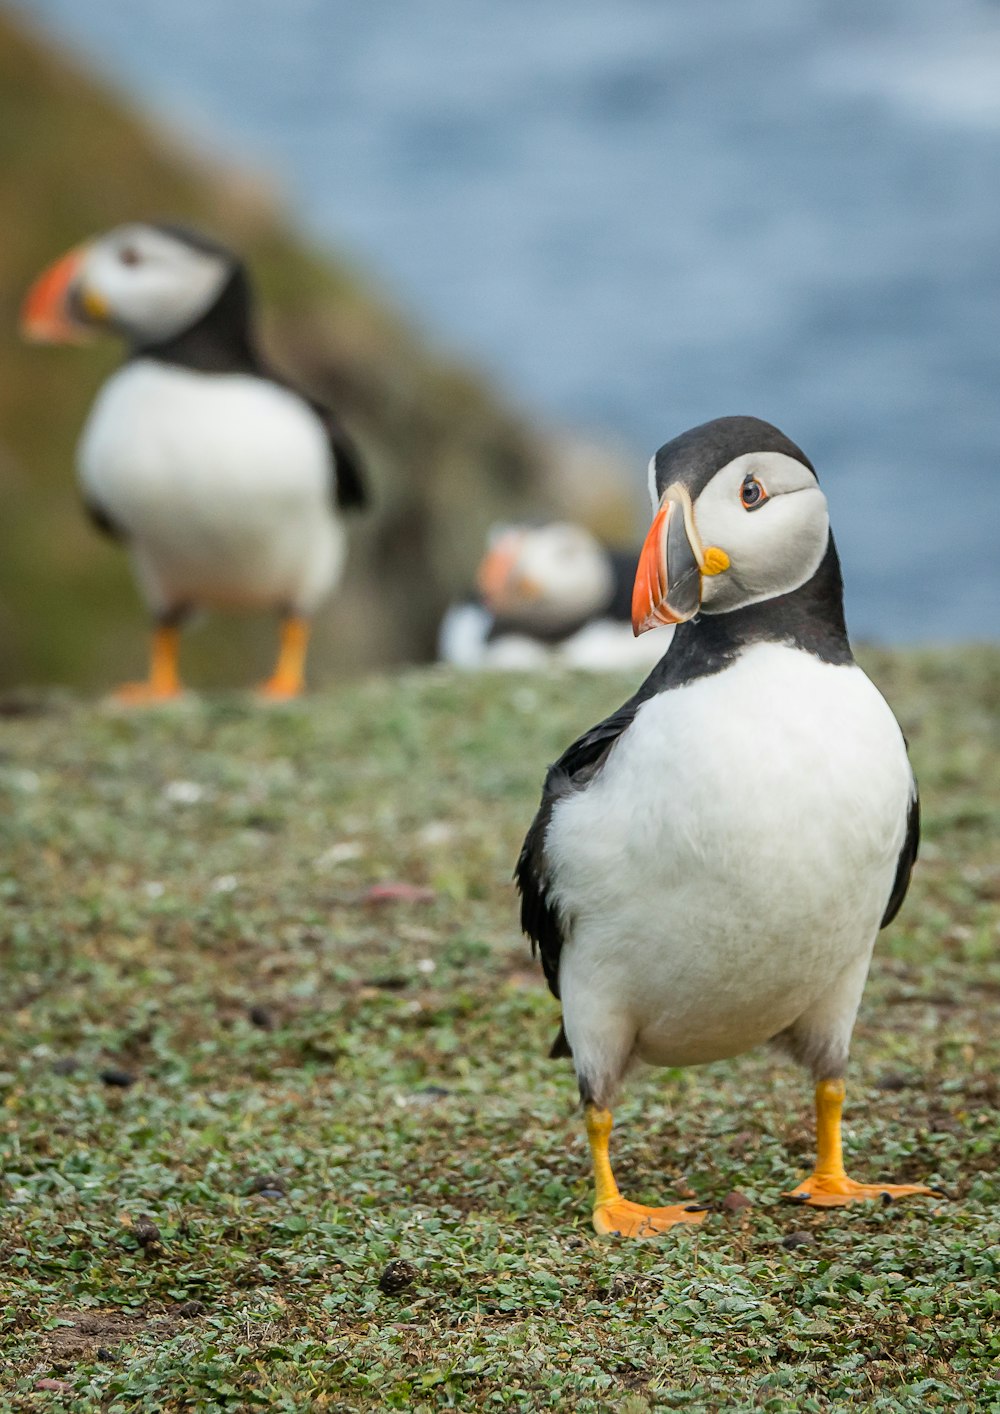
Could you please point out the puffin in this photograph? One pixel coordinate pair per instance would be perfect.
(226, 485)
(710, 866)
(546, 594)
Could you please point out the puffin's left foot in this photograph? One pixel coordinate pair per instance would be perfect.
(280, 689)
(620, 1218)
(824, 1191)
(288, 679)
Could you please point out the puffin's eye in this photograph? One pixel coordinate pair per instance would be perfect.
(128, 255)
(752, 493)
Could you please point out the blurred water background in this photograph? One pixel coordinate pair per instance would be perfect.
(640, 215)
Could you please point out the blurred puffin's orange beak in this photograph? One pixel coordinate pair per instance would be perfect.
(495, 571)
(46, 314)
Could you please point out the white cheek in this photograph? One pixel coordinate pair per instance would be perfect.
(651, 482)
(772, 551)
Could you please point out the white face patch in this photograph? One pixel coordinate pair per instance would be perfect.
(773, 548)
(654, 495)
(153, 285)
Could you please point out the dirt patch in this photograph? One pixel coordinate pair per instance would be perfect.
(89, 1331)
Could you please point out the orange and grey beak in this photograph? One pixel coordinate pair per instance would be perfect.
(672, 564)
(498, 581)
(53, 311)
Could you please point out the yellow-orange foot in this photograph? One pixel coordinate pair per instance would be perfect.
(621, 1218)
(280, 689)
(145, 694)
(825, 1192)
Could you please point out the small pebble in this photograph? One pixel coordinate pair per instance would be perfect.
(120, 1078)
(103, 1353)
(267, 1183)
(798, 1238)
(398, 1275)
(261, 1016)
(145, 1232)
(191, 1308)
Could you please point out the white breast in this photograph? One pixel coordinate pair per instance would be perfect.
(733, 856)
(221, 483)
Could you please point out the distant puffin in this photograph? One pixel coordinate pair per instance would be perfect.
(710, 866)
(549, 593)
(226, 485)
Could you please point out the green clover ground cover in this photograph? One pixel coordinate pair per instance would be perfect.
(326, 1079)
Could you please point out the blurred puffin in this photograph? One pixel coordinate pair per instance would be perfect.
(548, 593)
(710, 866)
(226, 485)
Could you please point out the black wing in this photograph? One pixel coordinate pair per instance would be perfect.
(907, 858)
(540, 918)
(100, 519)
(349, 486)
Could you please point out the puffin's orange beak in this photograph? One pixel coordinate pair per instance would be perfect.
(495, 572)
(672, 561)
(46, 317)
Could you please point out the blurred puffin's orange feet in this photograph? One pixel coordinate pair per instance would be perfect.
(620, 1218)
(829, 1186)
(288, 679)
(615, 1215)
(163, 683)
(145, 694)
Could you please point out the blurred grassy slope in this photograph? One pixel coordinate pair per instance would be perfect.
(185, 896)
(448, 458)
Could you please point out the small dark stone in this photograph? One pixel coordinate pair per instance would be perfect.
(397, 1276)
(103, 1353)
(734, 1202)
(261, 1016)
(267, 1183)
(122, 1079)
(145, 1232)
(894, 1080)
(798, 1238)
(434, 1092)
(65, 1065)
(192, 1308)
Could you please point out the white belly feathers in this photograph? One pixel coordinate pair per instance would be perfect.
(222, 484)
(732, 857)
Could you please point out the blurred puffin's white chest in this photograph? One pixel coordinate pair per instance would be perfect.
(164, 441)
(221, 484)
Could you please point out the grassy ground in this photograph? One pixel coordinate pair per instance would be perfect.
(323, 1082)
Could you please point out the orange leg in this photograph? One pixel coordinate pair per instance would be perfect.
(828, 1186)
(288, 678)
(614, 1214)
(163, 683)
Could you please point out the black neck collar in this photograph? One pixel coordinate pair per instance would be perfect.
(810, 618)
(219, 342)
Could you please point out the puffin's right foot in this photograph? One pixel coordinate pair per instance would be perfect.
(614, 1214)
(145, 694)
(163, 683)
(619, 1218)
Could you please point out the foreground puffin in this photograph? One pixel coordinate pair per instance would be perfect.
(549, 593)
(226, 485)
(710, 866)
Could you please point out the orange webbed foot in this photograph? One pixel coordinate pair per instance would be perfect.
(620, 1218)
(145, 694)
(836, 1191)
